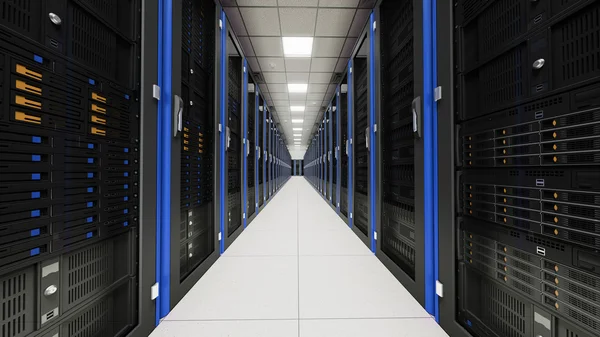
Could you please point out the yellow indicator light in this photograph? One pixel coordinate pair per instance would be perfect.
(27, 102)
(98, 98)
(97, 108)
(23, 117)
(98, 120)
(29, 88)
(97, 131)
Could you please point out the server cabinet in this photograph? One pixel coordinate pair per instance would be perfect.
(71, 99)
(251, 143)
(400, 200)
(522, 127)
(361, 90)
(268, 154)
(337, 140)
(234, 104)
(193, 242)
(344, 167)
(330, 152)
(261, 152)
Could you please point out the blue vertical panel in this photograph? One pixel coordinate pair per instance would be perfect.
(330, 153)
(436, 256)
(338, 149)
(372, 154)
(165, 158)
(159, 163)
(350, 147)
(222, 134)
(428, 162)
(257, 119)
(264, 151)
(245, 147)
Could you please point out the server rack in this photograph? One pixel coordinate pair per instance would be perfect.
(251, 142)
(331, 152)
(337, 136)
(261, 151)
(232, 171)
(361, 91)
(523, 127)
(269, 154)
(344, 141)
(71, 168)
(194, 149)
(400, 199)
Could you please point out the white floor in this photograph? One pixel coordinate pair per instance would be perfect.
(298, 271)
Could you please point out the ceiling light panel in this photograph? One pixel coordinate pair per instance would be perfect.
(297, 108)
(297, 87)
(297, 46)
(297, 121)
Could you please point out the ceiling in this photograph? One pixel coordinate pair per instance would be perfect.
(334, 26)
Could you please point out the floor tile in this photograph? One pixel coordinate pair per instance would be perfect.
(270, 328)
(352, 287)
(243, 288)
(331, 242)
(255, 242)
(420, 327)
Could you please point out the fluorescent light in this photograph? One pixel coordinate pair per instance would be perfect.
(295, 108)
(297, 129)
(297, 46)
(296, 121)
(297, 135)
(297, 87)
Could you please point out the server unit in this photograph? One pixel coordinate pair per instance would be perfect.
(261, 116)
(400, 222)
(70, 92)
(526, 168)
(344, 137)
(360, 122)
(251, 133)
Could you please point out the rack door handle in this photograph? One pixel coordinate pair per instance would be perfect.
(177, 116)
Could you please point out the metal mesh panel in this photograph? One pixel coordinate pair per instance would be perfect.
(17, 310)
(361, 154)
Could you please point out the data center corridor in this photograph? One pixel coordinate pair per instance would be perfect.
(298, 270)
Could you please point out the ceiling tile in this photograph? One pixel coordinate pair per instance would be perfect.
(246, 46)
(297, 3)
(261, 21)
(277, 87)
(267, 46)
(341, 65)
(281, 102)
(279, 95)
(296, 96)
(297, 103)
(235, 19)
(272, 64)
(327, 46)
(275, 77)
(297, 21)
(297, 64)
(348, 47)
(253, 62)
(262, 3)
(337, 3)
(333, 21)
(314, 97)
(323, 64)
(360, 20)
(317, 88)
(313, 108)
(297, 77)
(319, 78)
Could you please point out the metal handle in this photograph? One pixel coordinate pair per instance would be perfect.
(367, 137)
(228, 135)
(347, 148)
(259, 151)
(416, 110)
(177, 115)
(247, 148)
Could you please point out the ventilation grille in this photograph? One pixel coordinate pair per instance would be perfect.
(21, 16)
(504, 313)
(577, 47)
(89, 270)
(92, 43)
(95, 321)
(500, 23)
(17, 306)
(501, 80)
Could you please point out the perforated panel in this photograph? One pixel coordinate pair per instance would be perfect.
(361, 154)
(17, 309)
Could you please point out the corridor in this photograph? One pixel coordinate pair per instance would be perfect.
(298, 270)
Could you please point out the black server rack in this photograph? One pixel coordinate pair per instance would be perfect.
(360, 112)
(194, 150)
(400, 199)
(269, 154)
(251, 153)
(233, 128)
(333, 152)
(261, 115)
(526, 221)
(69, 167)
(345, 143)
(323, 150)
